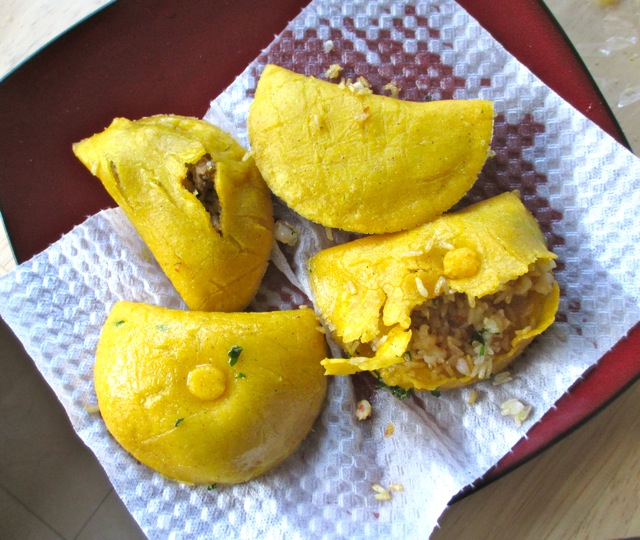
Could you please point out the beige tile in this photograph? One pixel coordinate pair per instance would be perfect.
(43, 464)
(7, 258)
(111, 521)
(18, 523)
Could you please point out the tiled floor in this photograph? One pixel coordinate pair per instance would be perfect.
(55, 489)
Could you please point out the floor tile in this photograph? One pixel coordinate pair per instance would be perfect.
(18, 523)
(111, 521)
(43, 463)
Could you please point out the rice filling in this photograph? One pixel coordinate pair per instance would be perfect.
(457, 335)
(200, 182)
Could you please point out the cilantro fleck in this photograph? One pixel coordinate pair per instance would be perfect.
(118, 323)
(241, 375)
(162, 327)
(234, 354)
(436, 393)
(178, 422)
(397, 391)
(478, 337)
(212, 487)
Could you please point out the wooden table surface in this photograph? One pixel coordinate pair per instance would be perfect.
(588, 485)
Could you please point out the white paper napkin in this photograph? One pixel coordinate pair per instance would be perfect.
(582, 186)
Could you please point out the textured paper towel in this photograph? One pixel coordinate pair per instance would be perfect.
(581, 185)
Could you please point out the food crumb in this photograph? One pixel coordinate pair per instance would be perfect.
(501, 378)
(246, 156)
(327, 46)
(398, 488)
(381, 494)
(92, 409)
(333, 72)
(392, 88)
(421, 288)
(359, 88)
(361, 117)
(363, 409)
(329, 232)
(390, 429)
(285, 233)
(517, 409)
(473, 397)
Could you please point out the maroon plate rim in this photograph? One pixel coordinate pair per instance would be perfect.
(148, 57)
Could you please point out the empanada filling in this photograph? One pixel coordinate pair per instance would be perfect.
(456, 335)
(200, 182)
(461, 335)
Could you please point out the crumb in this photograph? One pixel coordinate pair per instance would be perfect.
(517, 409)
(334, 71)
(363, 410)
(398, 488)
(392, 88)
(92, 409)
(389, 430)
(473, 397)
(285, 233)
(381, 494)
(421, 288)
(501, 378)
(360, 118)
(327, 46)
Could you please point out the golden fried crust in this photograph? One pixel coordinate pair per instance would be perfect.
(362, 162)
(169, 395)
(143, 165)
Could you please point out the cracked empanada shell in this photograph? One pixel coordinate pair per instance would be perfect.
(364, 163)
(142, 165)
(370, 286)
(169, 396)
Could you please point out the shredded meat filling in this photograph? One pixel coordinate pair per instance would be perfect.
(199, 181)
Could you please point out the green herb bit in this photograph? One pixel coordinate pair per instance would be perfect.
(212, 487)
(436, 393)
(478, 337)
(118, 323)
(241, 375)
(407, 356)
(178, 422)
(397, 391)
(162, 327)
(234, 354)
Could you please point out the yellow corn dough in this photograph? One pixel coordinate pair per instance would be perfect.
(362, 162)
(441, 305)
(214, 251)
(169, 394)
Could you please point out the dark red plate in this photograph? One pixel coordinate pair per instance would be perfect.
(143, 57)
